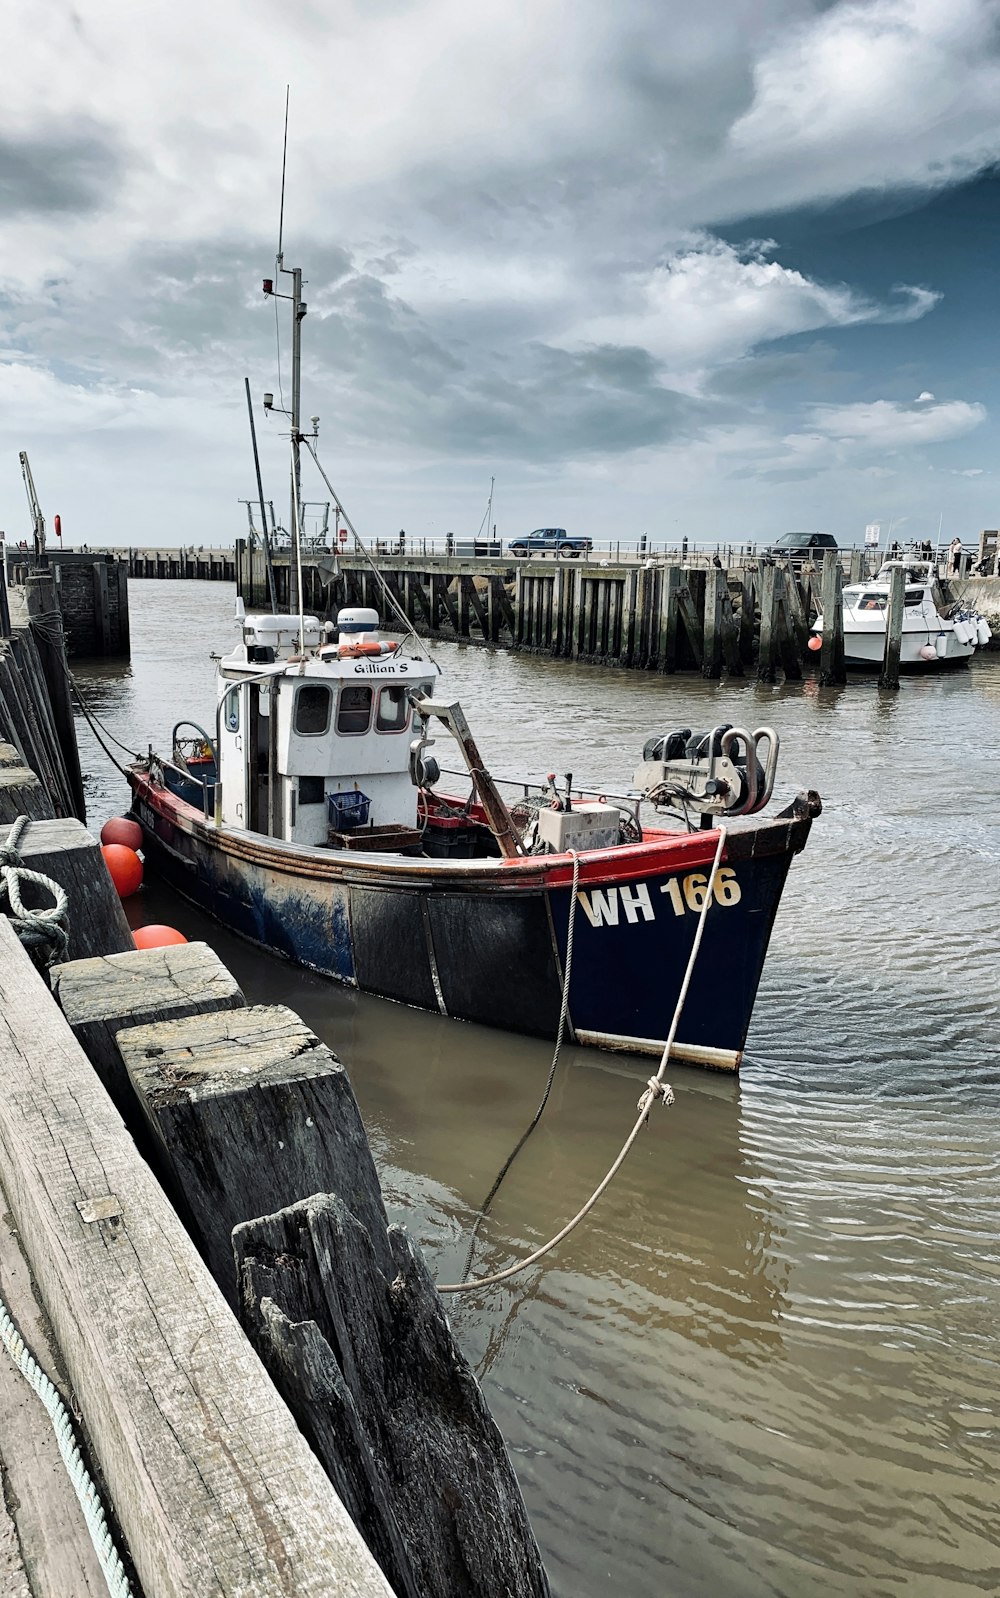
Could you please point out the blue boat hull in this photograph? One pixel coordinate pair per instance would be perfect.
(484, 947)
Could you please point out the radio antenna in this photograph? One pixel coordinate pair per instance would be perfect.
(284, 160)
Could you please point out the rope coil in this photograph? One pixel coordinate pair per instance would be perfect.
(44, 932)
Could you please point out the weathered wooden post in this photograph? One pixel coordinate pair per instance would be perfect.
(889, 676)
(715, 587)
(103, 995)
(791, 633)
(748, 605)
(666, 649)
(519, 597)
(831, 659)
(768, 625)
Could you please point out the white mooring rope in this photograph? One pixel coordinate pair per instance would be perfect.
(109, 1559)
(41, 930)
(655, 1089)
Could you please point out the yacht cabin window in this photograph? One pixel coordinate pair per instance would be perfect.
(231, 710)
(354, 709)
(312, 709)
(914, 596)
(393, 710)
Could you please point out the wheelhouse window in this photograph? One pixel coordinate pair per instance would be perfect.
(231, 710)
(393, 709)
(312, 709)
(872, 602)
(913, 596)
(354, 709)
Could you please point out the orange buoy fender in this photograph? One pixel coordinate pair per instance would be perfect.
(120, 830)
(125, 867)
(156, 936)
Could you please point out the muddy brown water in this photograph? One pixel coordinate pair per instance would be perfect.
(768, 1363)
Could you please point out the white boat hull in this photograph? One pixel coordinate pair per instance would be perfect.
(867, 648)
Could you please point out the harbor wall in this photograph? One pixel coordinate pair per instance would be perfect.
(653, 614)
(91, 592)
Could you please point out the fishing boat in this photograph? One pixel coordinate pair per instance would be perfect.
(314, 819)
(931, 638)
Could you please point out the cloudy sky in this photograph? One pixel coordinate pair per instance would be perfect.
(723, 270)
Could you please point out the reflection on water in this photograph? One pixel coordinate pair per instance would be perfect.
(767, 1362)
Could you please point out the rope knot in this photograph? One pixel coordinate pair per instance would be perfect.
(655, 1089)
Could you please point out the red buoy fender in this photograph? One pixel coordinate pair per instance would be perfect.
(125, 868)
(121, 830)
(156, 936)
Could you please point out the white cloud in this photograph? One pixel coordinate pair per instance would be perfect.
(712, 303)
(864, 96)
(888, 425)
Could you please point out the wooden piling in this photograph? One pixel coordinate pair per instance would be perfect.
(214, 1486)
(831, 660)
(249, 1112)
(769, 624)
(711, 657)
(889, 675)
(106, 994)
(344, 1315)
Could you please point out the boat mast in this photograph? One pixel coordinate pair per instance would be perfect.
(295, 414)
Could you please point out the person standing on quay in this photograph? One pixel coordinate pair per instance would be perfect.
(955, 553)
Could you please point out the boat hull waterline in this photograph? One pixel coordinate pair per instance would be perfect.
(485, 940)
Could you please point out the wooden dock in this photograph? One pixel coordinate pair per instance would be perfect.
(653, 614)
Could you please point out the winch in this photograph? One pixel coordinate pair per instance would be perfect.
(727, 771)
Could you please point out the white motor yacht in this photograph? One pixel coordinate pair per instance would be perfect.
(929, 638)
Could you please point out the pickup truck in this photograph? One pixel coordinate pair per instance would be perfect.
(555, 539)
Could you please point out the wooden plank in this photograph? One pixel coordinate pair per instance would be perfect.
(216, 1490)
(352, 1315)
(103, 995)
(249, 1112)
(46, 1529)
(64, 850)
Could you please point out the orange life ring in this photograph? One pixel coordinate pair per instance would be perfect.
(350, 651)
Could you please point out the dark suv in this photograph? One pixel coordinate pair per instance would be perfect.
(554, 538)
(801, 546)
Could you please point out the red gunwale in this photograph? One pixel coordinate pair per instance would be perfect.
(660, 852)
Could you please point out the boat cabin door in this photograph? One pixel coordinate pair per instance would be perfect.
(258, 757)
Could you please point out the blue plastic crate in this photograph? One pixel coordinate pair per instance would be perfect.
(345, 811)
